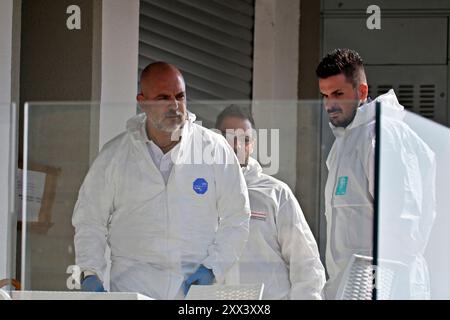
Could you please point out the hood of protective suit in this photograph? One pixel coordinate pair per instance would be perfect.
(252, 172)
(366, 113)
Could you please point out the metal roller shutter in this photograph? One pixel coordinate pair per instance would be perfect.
(210, 41)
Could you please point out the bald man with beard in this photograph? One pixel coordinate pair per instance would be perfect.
(169, 221)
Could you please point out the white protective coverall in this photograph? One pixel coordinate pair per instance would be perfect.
(281, 251)
(159, 234)
(349, 193)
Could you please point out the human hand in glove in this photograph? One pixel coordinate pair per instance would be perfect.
(203, 276)
(92, 284)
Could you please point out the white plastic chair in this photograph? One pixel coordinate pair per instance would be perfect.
(359, 279)
(226, 292)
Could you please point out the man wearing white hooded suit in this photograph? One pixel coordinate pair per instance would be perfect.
(349, 191)
(169, 220)
(281, 251)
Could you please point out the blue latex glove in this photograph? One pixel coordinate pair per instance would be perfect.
(92, 284)
(203, 276)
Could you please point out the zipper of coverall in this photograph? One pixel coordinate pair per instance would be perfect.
(167, 218)
(152, 163)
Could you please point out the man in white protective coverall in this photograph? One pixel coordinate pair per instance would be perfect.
(349, 191)
(281, 251)
(170, 219)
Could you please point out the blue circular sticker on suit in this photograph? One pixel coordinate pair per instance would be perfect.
(200, 186)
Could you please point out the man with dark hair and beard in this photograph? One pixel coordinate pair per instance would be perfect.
(349, 191)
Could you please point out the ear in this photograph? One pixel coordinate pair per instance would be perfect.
(363, 91)
(140, 97)
(251, 147)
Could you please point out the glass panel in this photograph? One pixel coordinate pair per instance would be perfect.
(116, 205)
(8, 141)
(60, 141)
(414, 207)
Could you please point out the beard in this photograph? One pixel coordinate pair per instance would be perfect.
(169, 122)
(343, 121)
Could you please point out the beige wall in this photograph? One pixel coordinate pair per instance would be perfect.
(6, 9)
(120, 43)
(286, 52)
(275, 77)
(56, 65)
(309, 118)
(9, 44)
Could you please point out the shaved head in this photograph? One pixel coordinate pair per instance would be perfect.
(154, 71)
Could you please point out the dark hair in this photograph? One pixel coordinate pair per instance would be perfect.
(345, 61)
(235, 112)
